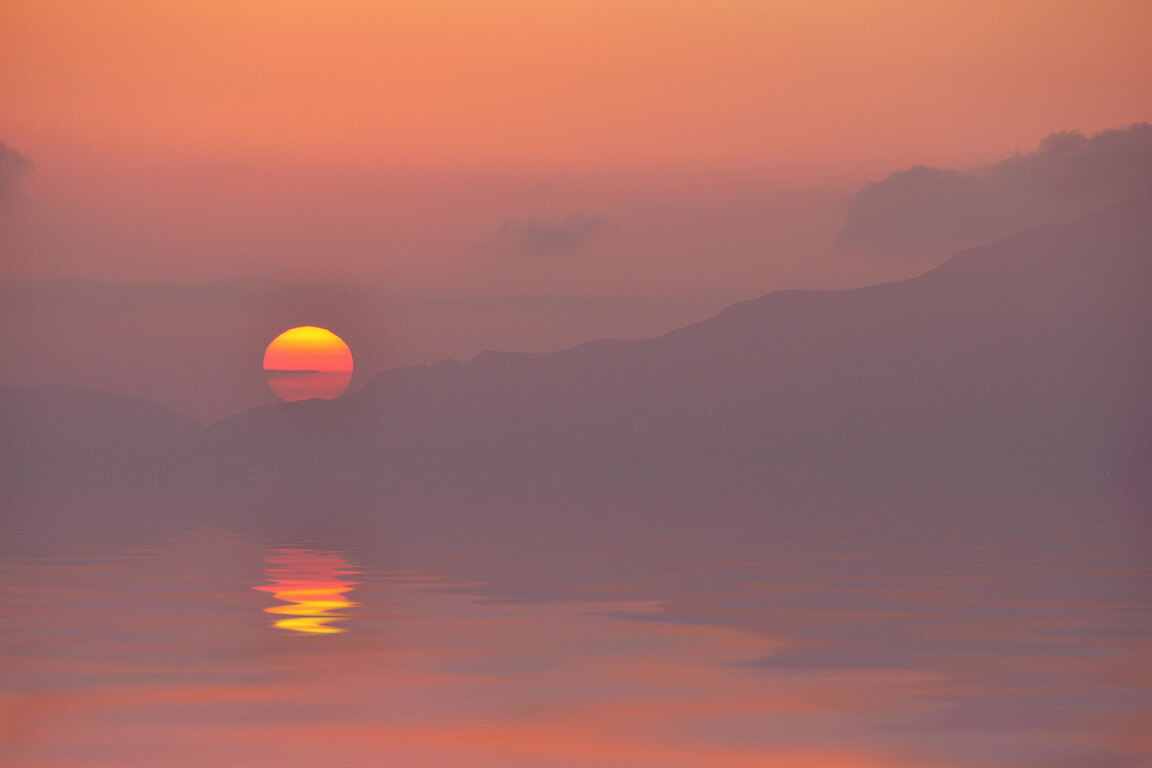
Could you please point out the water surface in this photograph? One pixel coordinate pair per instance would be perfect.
(206, 644)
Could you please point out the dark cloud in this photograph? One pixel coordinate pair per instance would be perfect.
(931, 208)
(12, 164)
(536, 237)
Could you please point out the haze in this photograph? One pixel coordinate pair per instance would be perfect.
(440, 178)
(728, 383)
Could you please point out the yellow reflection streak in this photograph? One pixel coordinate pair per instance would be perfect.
(311, 584)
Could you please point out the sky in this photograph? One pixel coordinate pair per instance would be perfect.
(514, 174)
(807, 89)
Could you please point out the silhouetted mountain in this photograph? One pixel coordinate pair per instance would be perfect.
(1023, 362)
(59, 434)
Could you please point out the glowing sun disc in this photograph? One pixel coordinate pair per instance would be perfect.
(307, 362)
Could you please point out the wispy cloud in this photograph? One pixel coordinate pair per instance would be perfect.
(12, 165)
(537, 237)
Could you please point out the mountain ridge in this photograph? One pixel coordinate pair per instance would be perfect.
(58, 433)
(988, 362)
(1023, 361)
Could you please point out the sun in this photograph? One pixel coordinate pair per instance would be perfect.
(307, 362)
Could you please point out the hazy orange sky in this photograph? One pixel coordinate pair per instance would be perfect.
(511, 174)
(191, 139)
(819, 87)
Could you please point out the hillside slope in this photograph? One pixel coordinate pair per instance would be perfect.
(1027, 361)
(56, 434)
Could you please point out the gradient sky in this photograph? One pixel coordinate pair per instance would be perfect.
(363, 138)
(514, 174)
(816, 87)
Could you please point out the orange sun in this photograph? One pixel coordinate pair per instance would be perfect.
(307, 362)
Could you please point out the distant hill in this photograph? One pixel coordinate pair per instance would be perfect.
(1027, 361)
(63, 435)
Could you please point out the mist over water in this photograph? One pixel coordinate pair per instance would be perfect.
(736, 385)
(231, 636)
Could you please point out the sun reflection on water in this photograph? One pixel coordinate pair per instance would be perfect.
(311, 583)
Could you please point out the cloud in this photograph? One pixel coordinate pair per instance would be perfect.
(536, 237)
(926, 208)
(12, 165)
